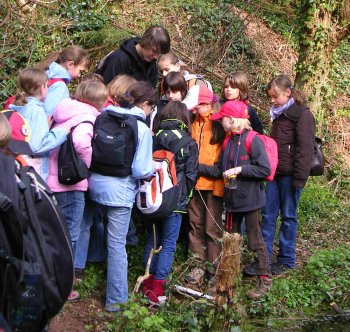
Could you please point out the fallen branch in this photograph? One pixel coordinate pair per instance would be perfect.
(144, 277)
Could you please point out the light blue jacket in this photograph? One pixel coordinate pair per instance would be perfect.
(42, 139)
(58, 90)
(121, 191)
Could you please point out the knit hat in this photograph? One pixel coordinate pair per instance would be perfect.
(20, 133)
(198, 94)
(234, 108)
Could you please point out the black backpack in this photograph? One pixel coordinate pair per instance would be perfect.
(114, 143)
(71, 168)
(36, 262)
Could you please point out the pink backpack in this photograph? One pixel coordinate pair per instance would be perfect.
(271, 150)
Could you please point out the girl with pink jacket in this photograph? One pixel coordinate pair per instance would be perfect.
(89, 99)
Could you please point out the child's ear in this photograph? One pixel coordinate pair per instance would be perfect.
(69, 64)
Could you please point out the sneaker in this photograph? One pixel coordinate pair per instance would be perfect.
(263, 286)
(113, 307)
(74, 296)
(195, 276)
(278, 269)
(250, 270)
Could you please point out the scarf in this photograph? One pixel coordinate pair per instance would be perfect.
(275, 112)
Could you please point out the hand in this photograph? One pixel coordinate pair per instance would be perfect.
(232, 171)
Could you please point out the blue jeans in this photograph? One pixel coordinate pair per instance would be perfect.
(91, 239)
(132, 239)
(117, 268)
(72, 205)
(281, 197)
(167, 232)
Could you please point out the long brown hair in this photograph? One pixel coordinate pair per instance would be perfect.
(283, 83)
(174, 82)
(238, 80)
(137, 94)
(30, 80)
(176, 110)
(72, 53)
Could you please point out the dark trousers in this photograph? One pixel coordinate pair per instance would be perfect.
(254, 234)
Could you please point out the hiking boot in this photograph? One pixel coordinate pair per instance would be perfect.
(263, 286)
(156, 295)
(250, 270)
(196, 276)
(278, 269)
(147, 285)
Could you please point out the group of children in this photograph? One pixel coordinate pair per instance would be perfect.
(184, 106)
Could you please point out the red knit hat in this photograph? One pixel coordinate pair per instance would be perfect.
(234, 108)
(20, 133)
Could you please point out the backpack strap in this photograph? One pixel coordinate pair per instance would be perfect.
(52, 81)
(177, 145)
(249, 138)
(73, 128)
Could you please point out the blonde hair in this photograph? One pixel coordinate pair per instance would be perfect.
(119, 86)
(72, 53)
(238, 80)
(239, 124)
(92, 93)
(30, 80)
(5, 131)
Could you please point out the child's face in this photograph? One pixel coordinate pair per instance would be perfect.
(227, 122)
(75, 70)
(230, 92)
(174, 95)
(278, 97)
(150, 54)
(165, 67)
(202, 109)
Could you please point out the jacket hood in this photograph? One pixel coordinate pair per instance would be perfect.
(57, 71)
(18, 108)
(294, 111)
(132, 111)
(70, 108)
(171, 124)
(128, 46)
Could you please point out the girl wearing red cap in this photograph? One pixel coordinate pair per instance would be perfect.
(245, 198)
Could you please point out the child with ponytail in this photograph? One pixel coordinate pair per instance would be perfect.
(62, 67)
(293, 128)
(29, 103)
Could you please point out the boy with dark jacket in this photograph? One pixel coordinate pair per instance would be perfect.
(137, 56)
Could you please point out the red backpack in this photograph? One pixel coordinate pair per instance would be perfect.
(271, 150)
(51, 81)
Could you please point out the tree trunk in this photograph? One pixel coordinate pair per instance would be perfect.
(325, 24)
